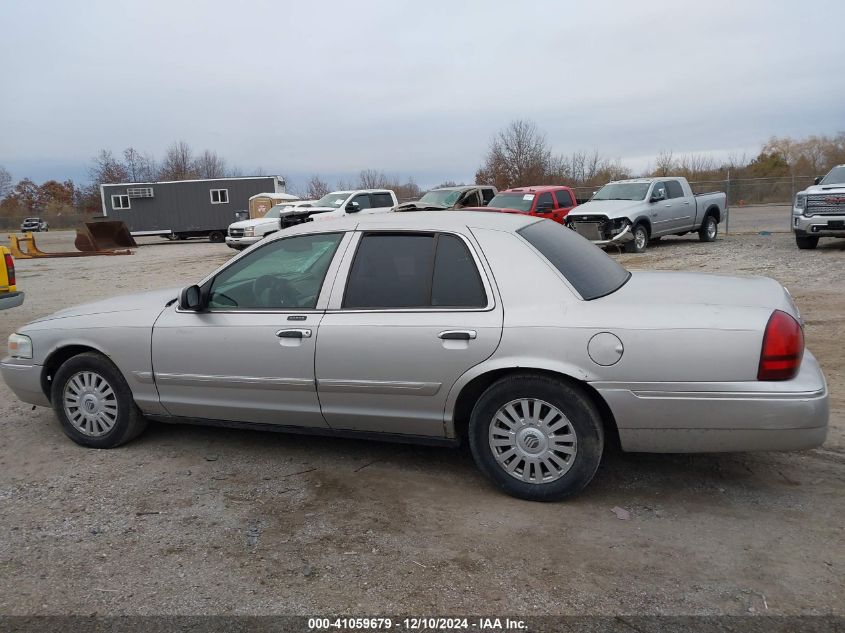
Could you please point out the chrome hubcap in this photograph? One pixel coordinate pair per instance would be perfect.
(533, 441)
(711, 228)
(90, 403)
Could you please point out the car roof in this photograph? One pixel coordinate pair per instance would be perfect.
(535, 189)
(462, 188)
(416, 220)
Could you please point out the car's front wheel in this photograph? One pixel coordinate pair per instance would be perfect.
(94, 404)
(535, 437)
(640, 241)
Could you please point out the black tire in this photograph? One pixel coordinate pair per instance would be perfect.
(129, 422)
(584, 421)
(216, 237)
(640, 241)
(806, 242)
(709, 229)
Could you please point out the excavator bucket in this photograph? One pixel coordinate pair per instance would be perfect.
(103, 236)
(25, 248)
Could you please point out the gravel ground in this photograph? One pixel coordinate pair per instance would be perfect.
(190, 520)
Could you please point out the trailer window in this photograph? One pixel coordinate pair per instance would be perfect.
(120, 202)
(219, 196)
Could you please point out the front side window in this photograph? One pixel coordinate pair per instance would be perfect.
(120, 202)
(219, 196)
(413, 270)
(544, 203)
(285, 274)
(591, 271)
(363, 200)
(675, 189)
(659, 189)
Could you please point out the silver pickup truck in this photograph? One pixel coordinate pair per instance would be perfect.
(630, 213)
(819, 211)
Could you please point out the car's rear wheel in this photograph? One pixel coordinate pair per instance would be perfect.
(640, 241)
(806, 242)
(216, 236)
(535, 437)
(93, 402)
(709, 229)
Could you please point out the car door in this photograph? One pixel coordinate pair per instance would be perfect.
(565, 203)
(660, 211)
(682, 210)
(381, 202)
(249, 356)
(409, 314)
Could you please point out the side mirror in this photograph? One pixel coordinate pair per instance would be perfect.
(190, 298)
(353, 207)
(817, 180)
(658, 196)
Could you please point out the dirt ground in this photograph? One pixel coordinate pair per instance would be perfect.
(189, 520)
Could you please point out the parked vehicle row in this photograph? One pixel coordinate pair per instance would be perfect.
(459, 197)
(633, 212)
(545, 201)
(819, 210)
(421, 327)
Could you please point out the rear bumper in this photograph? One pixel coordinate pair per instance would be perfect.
(24, 381)
(718, 417)
(10, 300)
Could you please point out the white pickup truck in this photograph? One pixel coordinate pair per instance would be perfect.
(245, 233)
(819, 210)
(633, 212)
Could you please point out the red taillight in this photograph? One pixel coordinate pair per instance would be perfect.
(783, 348)
(10, 268)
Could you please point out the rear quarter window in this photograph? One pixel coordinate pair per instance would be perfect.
(591, 271)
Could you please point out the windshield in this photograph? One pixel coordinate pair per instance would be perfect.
(441, 197)
(623, 191)
(275, 212)
(334, 199)
(835, 177)
(31, 220)
(592, 272)
(517, 201)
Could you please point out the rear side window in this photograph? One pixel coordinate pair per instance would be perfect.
(675, 189)
(413, 270)
(564, 198)
(456, 282)
(591, 271)
(381, 200)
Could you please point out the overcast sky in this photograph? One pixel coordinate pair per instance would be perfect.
(410, 88)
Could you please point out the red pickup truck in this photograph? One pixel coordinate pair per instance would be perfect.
(545, 201)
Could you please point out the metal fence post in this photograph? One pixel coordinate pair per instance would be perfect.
(728, 203)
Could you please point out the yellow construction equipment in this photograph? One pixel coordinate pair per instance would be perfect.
(25, 248)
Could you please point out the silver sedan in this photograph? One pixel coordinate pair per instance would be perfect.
(512, 333)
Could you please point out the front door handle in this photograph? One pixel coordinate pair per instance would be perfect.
(457, 335)
(294, 333)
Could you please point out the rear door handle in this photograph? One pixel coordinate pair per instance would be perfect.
(457, 335)
(294, 333)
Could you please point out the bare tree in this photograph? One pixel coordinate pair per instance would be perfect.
(518, 155)
(317, 188)
(664, 164)
(5, 182)
(210, 165)
(372, 179)
(344, 185)
(178, 163)
(107, 168)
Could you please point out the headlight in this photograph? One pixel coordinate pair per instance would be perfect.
(249, 232)
(20, 346)
(801, 201)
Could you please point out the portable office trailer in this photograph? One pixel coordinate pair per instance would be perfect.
(261, 203)
(184, 208)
